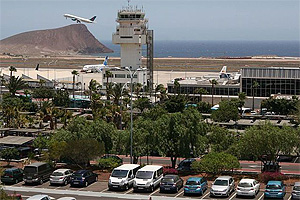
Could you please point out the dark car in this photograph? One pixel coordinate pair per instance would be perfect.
(171, 183)
(271, 166)
(37, 172)
(12, 175)
(83, 178)
(185, 165)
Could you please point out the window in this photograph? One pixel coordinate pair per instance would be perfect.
(120, 76)
(130, 173)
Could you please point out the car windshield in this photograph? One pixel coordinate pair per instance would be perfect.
(77, 175)
(57, 174)
(192, 183)
(221, 182)
(297, 188)
(7, 172)
(29, 169)
(245, 184)
(119, 173)
(273, 187)
(167, 180)
(144, 175)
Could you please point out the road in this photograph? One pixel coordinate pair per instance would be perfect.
(249, 166)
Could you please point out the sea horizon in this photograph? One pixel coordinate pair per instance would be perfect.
(215, 48)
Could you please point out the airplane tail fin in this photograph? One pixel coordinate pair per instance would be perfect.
(224, 70)
(93, 18)
(37, 66)
(105, 61)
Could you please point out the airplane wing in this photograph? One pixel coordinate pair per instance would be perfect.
(80, 19)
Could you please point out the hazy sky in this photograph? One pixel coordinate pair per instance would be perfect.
(170, 19)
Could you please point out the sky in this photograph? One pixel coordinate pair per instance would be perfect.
(170, 19)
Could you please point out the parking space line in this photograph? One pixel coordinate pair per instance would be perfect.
(205, 195)
(261, 196)
(129, 191)
(179, 193)
(154, 192)
(105, 190)
(232, 196)
(290, 197)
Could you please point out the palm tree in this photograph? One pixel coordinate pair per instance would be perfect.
(158, 88)
(94, 87)
(15, 84)
(117, 93)
(74, 73)
(108, 74)
(255, 85)
(176, 87)
(201, 91)
(12, 69)
(138, 88)
(213, 83)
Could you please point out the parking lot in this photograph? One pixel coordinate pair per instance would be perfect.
(101, 187)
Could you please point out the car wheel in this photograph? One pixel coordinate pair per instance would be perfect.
(126, 187)
(66, 182)
(41, 181)
(86, 184)
(201, 193)
(16, 181)
(152, 188)
(96, 179)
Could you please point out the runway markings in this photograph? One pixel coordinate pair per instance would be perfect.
(179, 193)
(129, 191)
(261, 196)
(154, 192)
(232, 196)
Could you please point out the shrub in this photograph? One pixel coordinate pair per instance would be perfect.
(169, 170)
(108, 163)
(271, 176)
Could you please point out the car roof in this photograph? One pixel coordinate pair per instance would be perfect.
(150, 168)
(274, 182)
(224, 177)
(37, 197)
(61, 170)
(297, 184)
(82, 171)
(170, 176)
(11, 169)
(247, 180)
(35, 164)
(127, 166)
(194, 178)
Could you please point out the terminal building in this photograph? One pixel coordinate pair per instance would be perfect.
(271, 81)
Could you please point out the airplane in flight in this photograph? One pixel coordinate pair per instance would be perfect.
(95, 68)
(80, 19)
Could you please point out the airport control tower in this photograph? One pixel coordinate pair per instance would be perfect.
(131, 34)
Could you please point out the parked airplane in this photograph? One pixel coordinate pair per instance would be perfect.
(95, 68)
(80, 19)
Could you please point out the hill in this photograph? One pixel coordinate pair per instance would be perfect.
(68, 40)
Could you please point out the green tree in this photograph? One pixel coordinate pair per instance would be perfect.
(220, 139)
(159, 88)
(280, 106)
(267, 140)
(201, 91)
(254, 87)
(61, 98)
(216, 163)
(8, 154)
(12, 69)
(227, 111)
(74, 73)
(108, 86)
(175, 103)
(177, 87)
(94, 87)
(14, 84)
(203, 107)
(142, 104)
(213, 82)
(43, 93)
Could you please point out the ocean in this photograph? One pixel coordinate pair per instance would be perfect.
(195, 49)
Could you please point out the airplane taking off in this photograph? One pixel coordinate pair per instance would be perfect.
(95, 68)
(80, 19)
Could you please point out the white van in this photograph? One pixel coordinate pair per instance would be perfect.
(148, 178)
(122, 176)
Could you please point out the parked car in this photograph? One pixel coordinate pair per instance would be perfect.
(248, 187)
(185, 165)
(83, 178)
(271, 166)
(15, 196)
(275, 189)
(39, 197)
(195, 185)
(67, 198)
(171, 182)
(122, 176)
(37, 172)
(148, 178)
(61, 176)
(222, 186)
(12, 175)
(296, 191)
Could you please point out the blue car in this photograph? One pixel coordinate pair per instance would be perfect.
(275, 189)
(195, 185)
(83, 178)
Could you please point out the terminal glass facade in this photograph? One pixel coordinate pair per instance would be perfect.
(191, 89)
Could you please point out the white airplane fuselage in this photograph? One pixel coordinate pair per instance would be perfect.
(78, 19)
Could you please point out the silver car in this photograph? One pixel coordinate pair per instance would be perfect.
(61, 176)
(247, 187)
(222, 186)
(296, 191)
